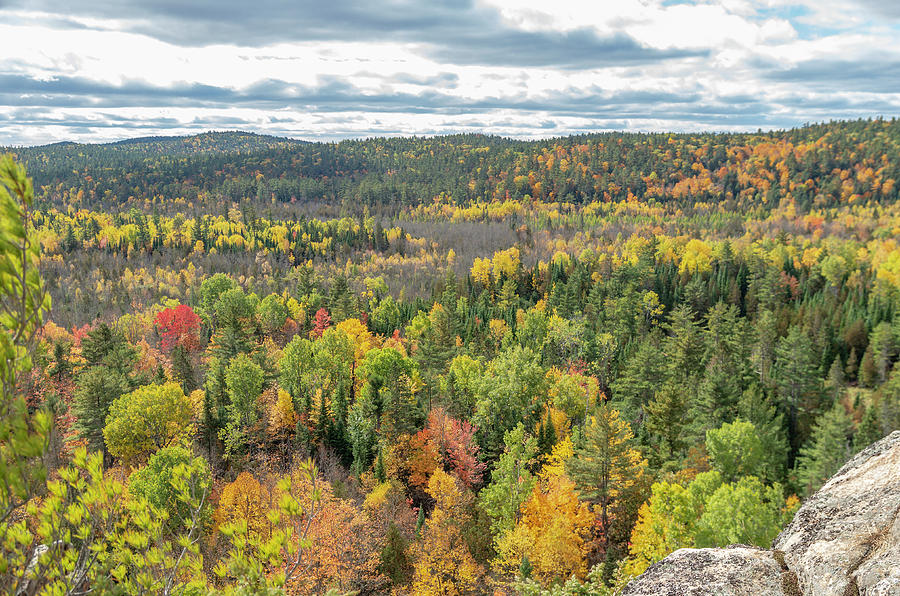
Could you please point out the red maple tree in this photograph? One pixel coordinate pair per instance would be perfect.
(322, 322)
(179, 326)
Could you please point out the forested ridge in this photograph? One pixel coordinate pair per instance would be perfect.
(449, 365)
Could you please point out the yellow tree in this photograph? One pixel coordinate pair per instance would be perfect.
(147, 419)
(696, 258)
(481, 272)
(282, 416)
(248, 500)
(552, 533)
(444, 564)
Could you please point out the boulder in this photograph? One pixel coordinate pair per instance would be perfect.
(843, 541)
(733, 571)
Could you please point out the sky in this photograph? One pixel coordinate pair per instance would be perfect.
(101, 70)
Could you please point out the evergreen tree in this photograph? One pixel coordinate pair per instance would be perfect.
(798, 384)
(666, 418)
(868, 431)
(547, 435)
(98, 387)
(756, 408)
(605, 463)
(61, 365)
(684, 345)
(182, 370)
(868, 374)
(852, 365)
(525, 568)
(836, 379)
(884, 350)
(828, 449)
(395, 561)
(764, 348)
(642, 377)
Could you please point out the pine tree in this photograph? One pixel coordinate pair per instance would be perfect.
(684, 345)
(98, 388)
(836, 377)
(394, 560)
(182, 370)
(638, 383)
(605, 463)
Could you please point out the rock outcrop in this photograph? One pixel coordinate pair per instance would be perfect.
(843, 541)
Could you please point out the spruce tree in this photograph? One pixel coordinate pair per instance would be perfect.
(827, 450)
(666, 419)
(799, 387)
(182, 370)
(547, 435)
(754, 406)
(868, 431)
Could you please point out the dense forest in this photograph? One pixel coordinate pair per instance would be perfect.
(450, 365)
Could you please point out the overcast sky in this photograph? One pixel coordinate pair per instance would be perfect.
(99, 70)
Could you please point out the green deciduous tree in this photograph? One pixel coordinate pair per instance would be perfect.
(746, 512)
(148, 419)
(272, 313)
(157, 484)
(511, 481)
(735, 450)
(244, 379)
(512, 391)
(23, 434)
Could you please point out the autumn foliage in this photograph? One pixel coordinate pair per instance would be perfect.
(178, 326)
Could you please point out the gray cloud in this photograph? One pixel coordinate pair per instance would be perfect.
(333, 94)
(874, 74)
(883, 8)
(452, 31)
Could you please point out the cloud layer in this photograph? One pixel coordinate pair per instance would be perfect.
(109, 69)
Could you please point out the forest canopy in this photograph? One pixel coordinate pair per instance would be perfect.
(435, 365)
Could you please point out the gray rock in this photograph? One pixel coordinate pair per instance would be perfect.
(733, 571)
(846, 538)
(843, 541)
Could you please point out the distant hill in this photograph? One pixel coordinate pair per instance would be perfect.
(823, 164)
(225, 141)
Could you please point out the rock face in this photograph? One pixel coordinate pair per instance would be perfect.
(846, 538)
(844, 541)
(733, 571)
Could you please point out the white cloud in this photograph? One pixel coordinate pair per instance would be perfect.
(752, 49)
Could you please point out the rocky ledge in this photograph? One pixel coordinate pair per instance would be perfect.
(843, 541)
